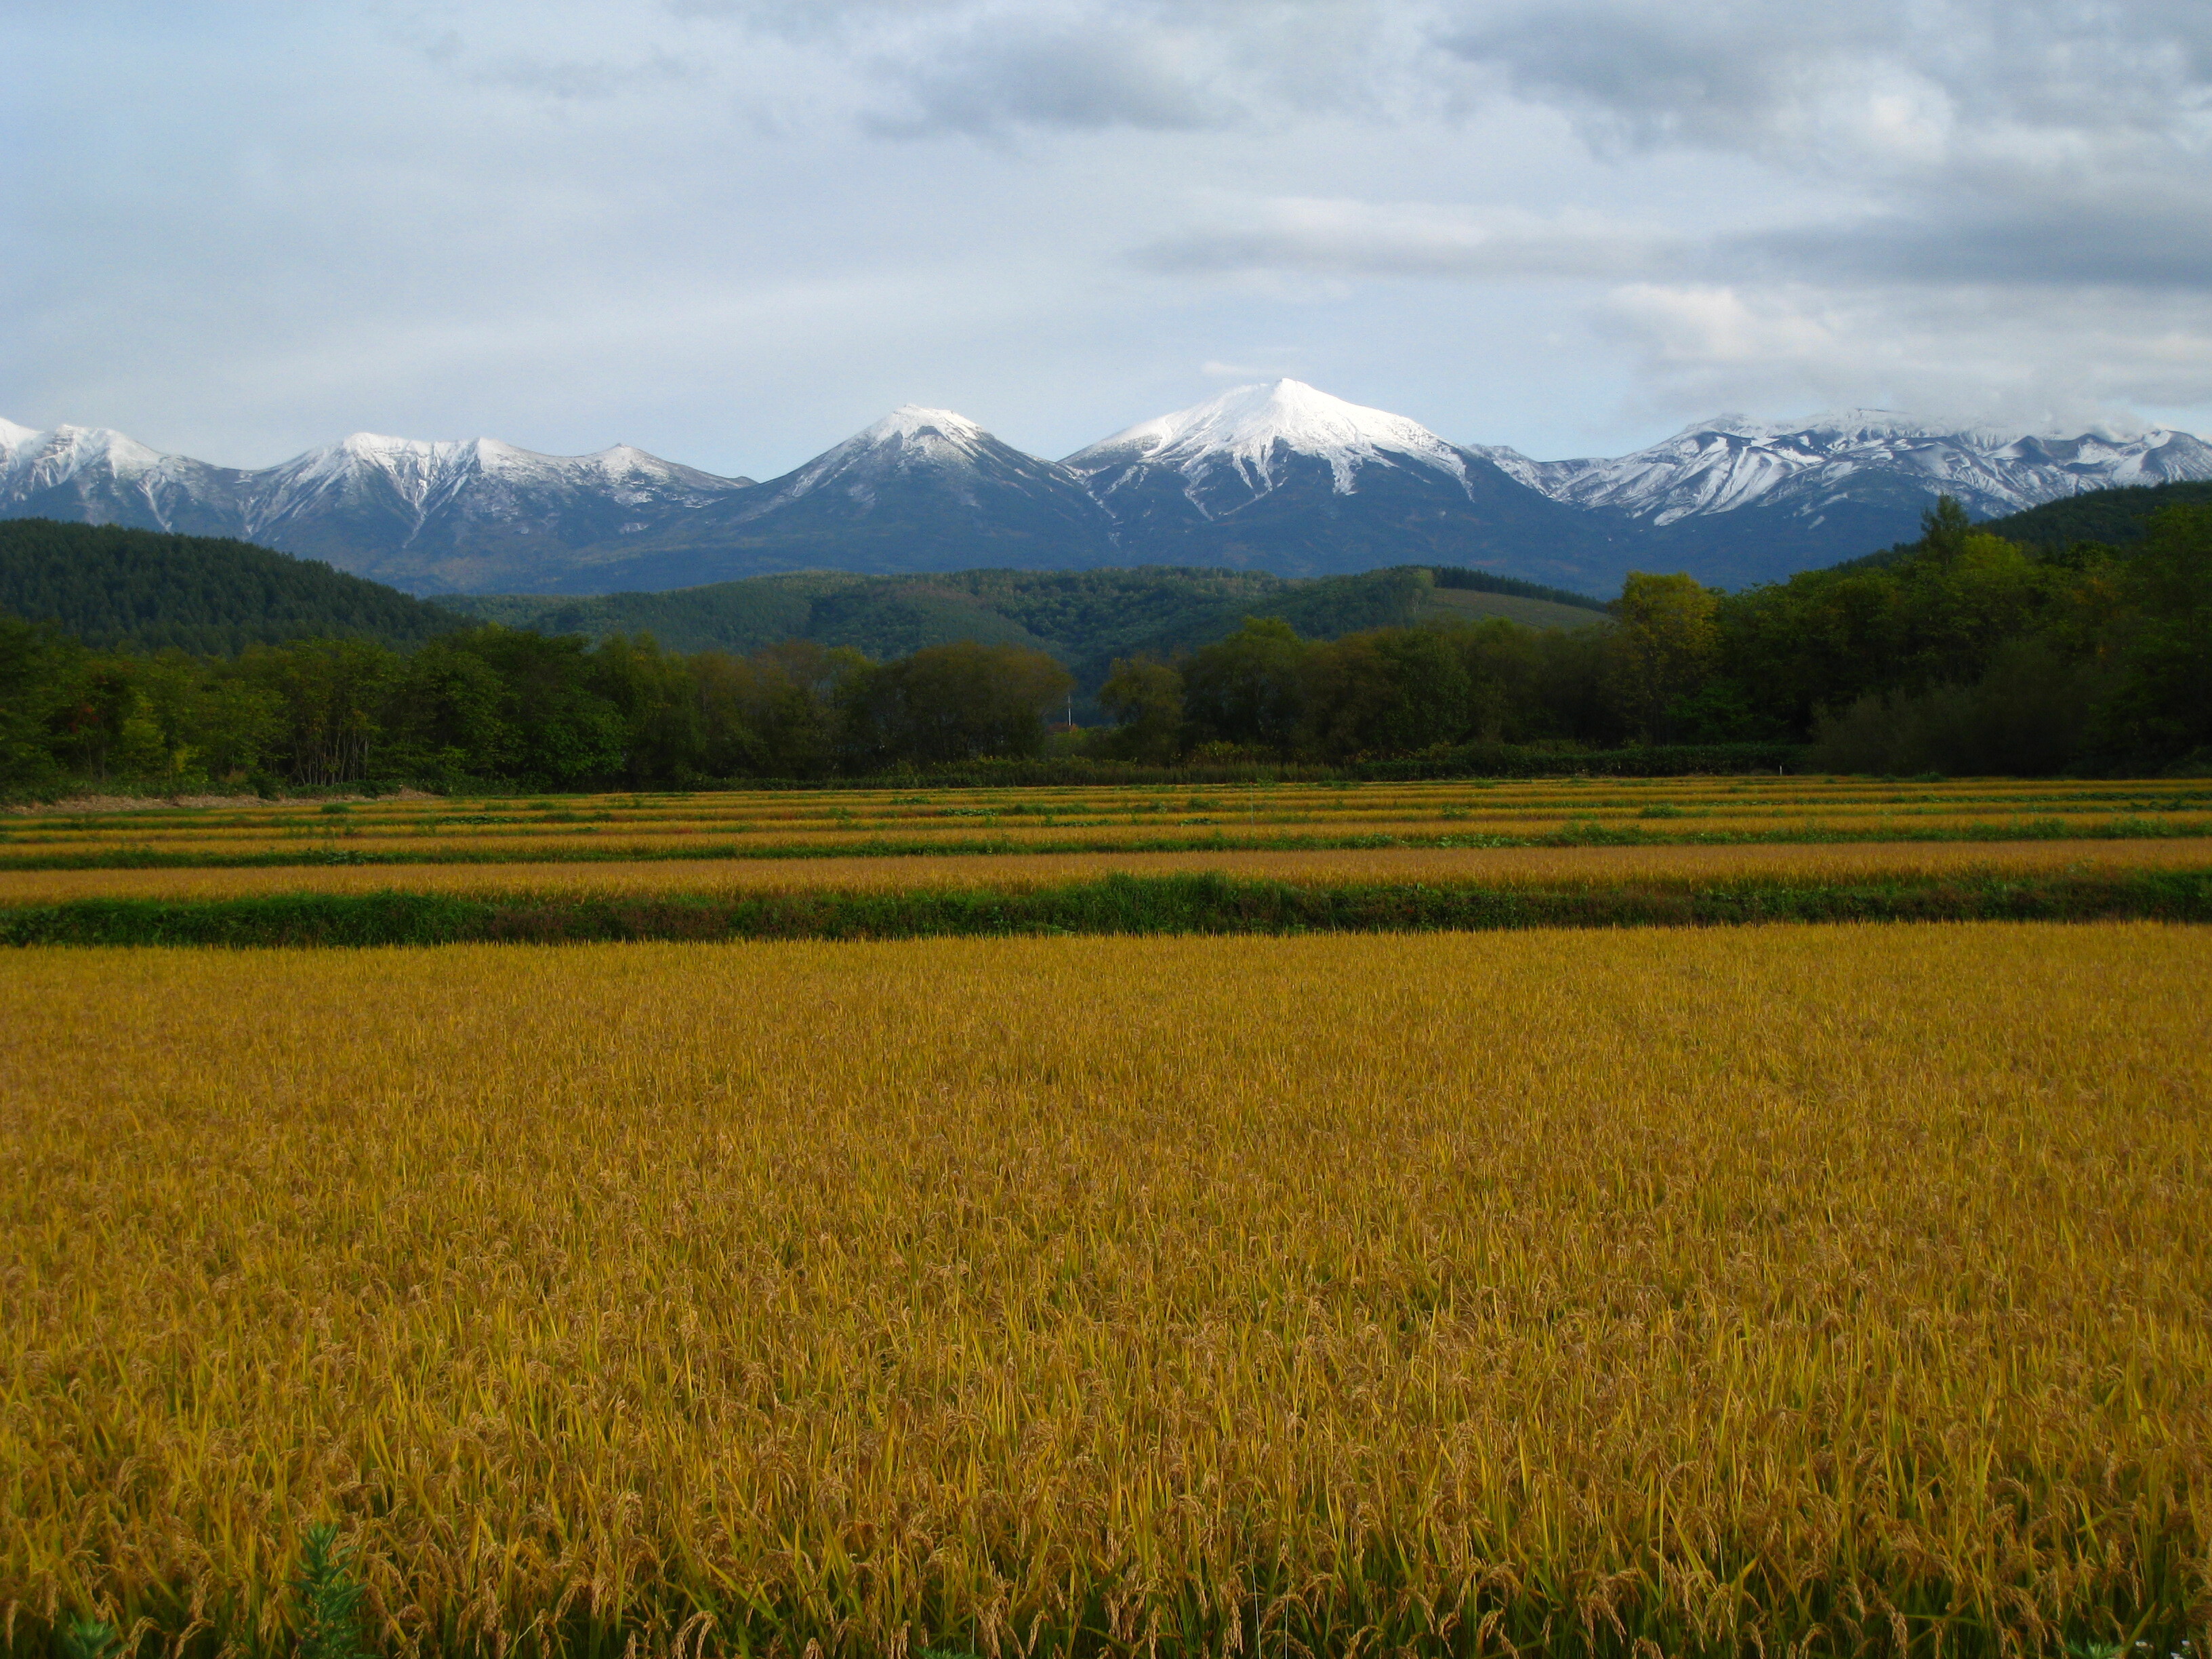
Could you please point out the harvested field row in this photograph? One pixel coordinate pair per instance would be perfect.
(1194, 834)
(804, 808)
(1431, 818)
(1821, 1290)
(1507, 867)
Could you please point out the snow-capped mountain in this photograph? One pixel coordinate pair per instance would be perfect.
(1287, 478)
(430, 517)
(458, 516)
(101, 476)
(1279, 477)
(921, 490)
(1230, 450)
(936, 445)
(1736, 499)
(1730, 462)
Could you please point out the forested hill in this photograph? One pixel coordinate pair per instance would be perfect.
(2112, 516)
(150, 591)
(1083, 617)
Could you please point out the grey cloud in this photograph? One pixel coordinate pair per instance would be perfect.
(1033, 77)
(1737, 72)
(459, 44)
(2114, 242)
(1991, 144)
(1358, 239)
(816, 20)
(2147, 238)
(2148, 241)
(1722, 73)
(579, 78)
(993, 66)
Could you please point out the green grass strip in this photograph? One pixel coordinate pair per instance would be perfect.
(1187, 903)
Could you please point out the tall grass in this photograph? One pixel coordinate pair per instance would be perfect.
(1820, 1291)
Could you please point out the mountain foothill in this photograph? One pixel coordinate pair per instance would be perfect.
(1278, 480)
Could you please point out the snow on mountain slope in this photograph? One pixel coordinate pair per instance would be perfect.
(1731, 463)
(15, 439)
(1285, 478)
(409, 477)
(909, 440)
(43, 460)
(99, 475)
(921, 490)
(411, 482)
(1238, 446)
(1277, 476)
(429, 516)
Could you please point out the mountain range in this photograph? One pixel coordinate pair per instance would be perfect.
(1276, 478)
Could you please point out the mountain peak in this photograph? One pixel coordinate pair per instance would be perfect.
(68, 450)
(1240, 429)
(911, 422)
(378, 449)
(907, 438)
(14, 439)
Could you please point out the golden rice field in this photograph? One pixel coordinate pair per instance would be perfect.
(874, 823)
(1808, 1290)
(1504, 866)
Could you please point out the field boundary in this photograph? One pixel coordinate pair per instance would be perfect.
(1196, 903)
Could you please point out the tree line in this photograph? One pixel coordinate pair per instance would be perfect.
(1964, 653)
(497, 705)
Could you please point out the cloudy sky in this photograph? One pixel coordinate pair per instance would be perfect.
(732, 231)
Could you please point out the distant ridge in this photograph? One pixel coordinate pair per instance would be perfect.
(430, 517)
(1735, 501)
(1712, 468)
(1278, 478)
(1086, 618)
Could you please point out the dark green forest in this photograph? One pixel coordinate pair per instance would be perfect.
(2113, 517)
(147, 591)
(1085, 619)
(141, 589)
(1968, 651)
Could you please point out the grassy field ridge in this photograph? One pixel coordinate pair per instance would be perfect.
(1118, 903)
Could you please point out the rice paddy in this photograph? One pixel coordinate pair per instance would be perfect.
(1834, 1289)
(1509, 867)
(1688, 1290)
(860, 823)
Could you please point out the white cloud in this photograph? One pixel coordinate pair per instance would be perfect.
(2042, 361)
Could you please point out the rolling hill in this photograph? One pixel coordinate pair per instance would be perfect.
(2113, 517)
(1085, 619)
(152, 590)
